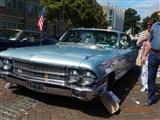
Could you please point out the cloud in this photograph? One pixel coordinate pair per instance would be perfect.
(146, 7)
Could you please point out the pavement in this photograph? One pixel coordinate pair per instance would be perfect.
(22, 104)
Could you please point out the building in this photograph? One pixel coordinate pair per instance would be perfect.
(20, 14)
(115, 16)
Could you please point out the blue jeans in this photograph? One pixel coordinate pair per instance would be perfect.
(153, 63)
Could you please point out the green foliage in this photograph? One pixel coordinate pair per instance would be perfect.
(154, 17)
(77, 13)
(131, 20)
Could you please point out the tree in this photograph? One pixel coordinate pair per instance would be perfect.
(78, 13)
(153, 17)
(131, 20)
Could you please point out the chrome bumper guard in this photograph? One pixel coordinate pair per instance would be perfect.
(82, 93)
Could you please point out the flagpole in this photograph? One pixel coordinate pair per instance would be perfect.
(41, 38)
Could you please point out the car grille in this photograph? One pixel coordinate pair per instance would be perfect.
(40, 71)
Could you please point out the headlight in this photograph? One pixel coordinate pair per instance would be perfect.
(88, 78)
(74, 76)
(7, 65)
(1, 64)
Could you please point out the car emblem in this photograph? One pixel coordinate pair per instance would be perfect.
(19, 70)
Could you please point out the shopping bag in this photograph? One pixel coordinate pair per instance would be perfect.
(138, 61)
(110, 101)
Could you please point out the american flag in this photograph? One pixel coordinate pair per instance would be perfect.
(41, 20)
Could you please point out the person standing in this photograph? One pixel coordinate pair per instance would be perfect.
(144, 67)
(153, 48)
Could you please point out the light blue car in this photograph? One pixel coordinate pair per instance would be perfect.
(83, 64)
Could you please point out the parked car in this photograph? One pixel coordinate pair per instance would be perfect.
(12, 38)
(83, 64)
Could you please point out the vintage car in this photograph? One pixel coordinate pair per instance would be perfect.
(83, 64)
(13, 38)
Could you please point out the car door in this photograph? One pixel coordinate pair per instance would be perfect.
(124, 55)
(127, 51)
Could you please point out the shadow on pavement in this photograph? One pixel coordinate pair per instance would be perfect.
(94, 107)
(125, 84)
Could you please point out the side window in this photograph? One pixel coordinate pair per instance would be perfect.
(37, 37)
(72, 36)
(124, 42)
(28, 37)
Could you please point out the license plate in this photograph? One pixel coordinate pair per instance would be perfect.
(35, 85)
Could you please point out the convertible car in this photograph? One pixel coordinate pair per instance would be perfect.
(83, 64)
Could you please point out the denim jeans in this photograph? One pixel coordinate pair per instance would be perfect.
(153, 63)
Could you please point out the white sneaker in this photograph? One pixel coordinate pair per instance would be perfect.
(143, 89)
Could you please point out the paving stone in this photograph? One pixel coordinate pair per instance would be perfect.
(16, 107)
(137, 109)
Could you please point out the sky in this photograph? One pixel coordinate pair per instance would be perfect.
(143, 7)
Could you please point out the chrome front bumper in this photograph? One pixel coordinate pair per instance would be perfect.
(82, 93)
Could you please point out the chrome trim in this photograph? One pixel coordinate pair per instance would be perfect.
(39, 71)
(30, 66)
(40, 78)
(48, 81)
(61, 89)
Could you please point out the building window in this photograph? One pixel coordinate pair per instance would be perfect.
(14, 3)
(2, 3)
(110, 22)
(21, 9)
(20, 5)
(9, 3)
(110, 12)
(30, 8)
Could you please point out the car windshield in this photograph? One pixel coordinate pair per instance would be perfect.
(100, 38)
(9, 34)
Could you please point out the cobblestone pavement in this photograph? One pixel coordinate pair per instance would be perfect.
(22, 104)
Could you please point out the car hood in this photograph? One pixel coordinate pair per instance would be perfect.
(68, 54)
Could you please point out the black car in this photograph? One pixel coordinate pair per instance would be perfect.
(12, 38)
